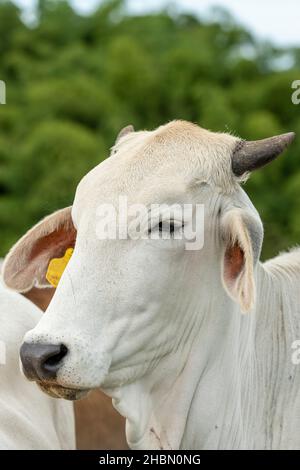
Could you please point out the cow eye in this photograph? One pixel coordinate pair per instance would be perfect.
(167, 226)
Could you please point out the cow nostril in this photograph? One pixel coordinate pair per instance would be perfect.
(52, 362)
(42, 361)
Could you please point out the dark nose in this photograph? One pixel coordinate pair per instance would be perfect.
(42, 361)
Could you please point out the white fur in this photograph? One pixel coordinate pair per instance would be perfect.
(152, 323)
(29, 420)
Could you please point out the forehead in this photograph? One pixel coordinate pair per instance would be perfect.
(160, 164)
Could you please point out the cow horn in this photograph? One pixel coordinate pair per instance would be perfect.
(126, 130)
(249, 156)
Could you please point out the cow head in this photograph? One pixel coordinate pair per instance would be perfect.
(125, 302)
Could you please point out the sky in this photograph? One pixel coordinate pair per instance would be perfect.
(274, 20)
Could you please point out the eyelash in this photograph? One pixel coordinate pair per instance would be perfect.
(171, 227)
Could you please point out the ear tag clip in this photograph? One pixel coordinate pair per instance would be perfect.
(57, 266)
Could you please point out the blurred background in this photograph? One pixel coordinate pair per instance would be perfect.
(77, 72)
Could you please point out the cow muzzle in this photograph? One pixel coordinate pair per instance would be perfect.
(41, 362)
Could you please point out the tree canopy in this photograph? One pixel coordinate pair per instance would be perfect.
(73, 81)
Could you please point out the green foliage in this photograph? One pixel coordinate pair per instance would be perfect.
(73, 82)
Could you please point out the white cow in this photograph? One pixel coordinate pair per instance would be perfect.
(28, 418)
(159, 327)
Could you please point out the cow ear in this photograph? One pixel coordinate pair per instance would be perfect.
(242, 234)
(126, 130)
(27, 262)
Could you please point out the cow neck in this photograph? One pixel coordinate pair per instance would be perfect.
(226, 391)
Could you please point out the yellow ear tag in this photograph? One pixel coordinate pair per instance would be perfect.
(57, 266)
